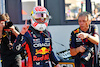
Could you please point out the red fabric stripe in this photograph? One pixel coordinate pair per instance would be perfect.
(83, 65)
(50, 49)
(35, 24)
(46, 24)
(23, 44)
(29, 33)
(30, 64)
(40, 8)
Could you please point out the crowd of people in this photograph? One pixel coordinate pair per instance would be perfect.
(36, 41)
(95, 15)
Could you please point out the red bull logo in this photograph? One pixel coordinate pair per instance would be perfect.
(42, 51)
(44, 57)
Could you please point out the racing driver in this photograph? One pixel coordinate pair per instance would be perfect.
(37, 40)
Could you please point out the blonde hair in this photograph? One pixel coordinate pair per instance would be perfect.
(7, 16)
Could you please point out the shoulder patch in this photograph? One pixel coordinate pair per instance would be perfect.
(76, 31)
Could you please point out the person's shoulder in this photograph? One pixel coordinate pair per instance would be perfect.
(46, 31)
(75, 31)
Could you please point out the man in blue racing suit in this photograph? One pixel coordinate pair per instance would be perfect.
(37, 40)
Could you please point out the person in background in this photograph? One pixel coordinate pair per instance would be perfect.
(98, 18)
(95, 15)
(84, 41)
(79, 11)
(37, 40)
(8, 33)
(7, 17)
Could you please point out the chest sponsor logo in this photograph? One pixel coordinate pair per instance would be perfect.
(42, 51)
(38, 40)
(44, 57)
(41, 45)
(18, 47)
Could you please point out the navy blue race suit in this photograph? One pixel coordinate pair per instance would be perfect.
(76, 42)
(9, 57)
(38, 47)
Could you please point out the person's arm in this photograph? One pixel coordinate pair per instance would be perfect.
(52, 57)
(1, 29)
(0, 36)
(55, 61)
(21, 38)
(94, 39)
(19, 43)
(75, 51)
(14, 31)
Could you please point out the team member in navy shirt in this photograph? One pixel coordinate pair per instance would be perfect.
(85, 35)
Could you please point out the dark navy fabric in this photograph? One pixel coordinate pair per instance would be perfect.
(76, 42)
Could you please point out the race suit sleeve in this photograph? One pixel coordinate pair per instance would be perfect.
(53, 58)
(20, 42)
